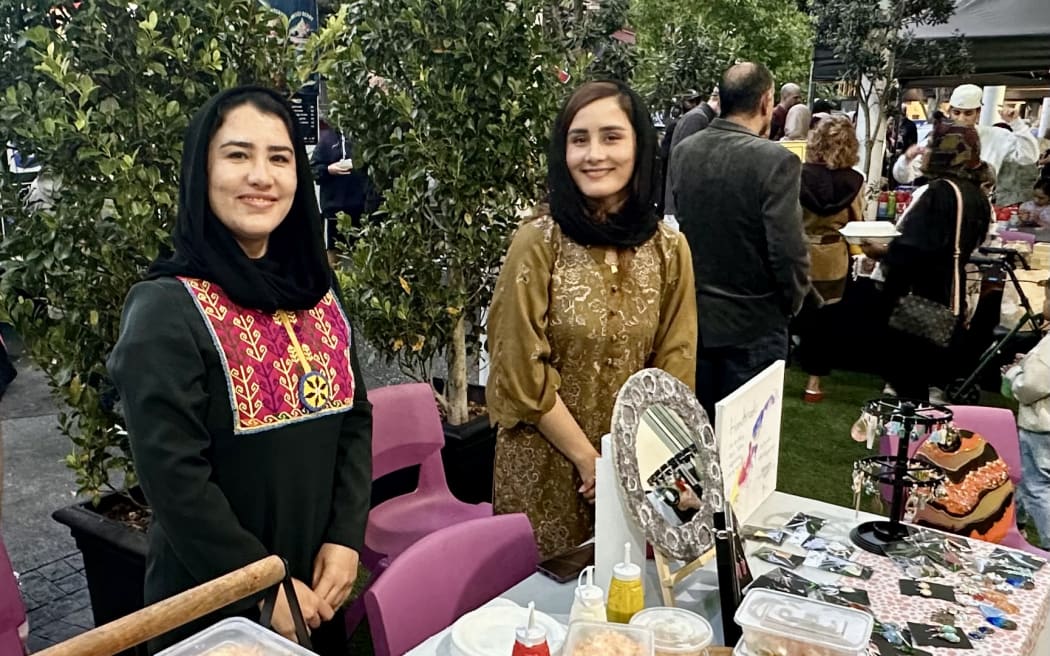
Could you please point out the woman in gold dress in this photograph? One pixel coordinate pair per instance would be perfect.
(590, 292)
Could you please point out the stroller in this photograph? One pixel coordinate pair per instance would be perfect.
(986, 343)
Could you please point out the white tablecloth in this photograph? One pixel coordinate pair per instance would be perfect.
(699, 593)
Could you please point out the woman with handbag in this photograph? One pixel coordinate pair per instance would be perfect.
(924, 266)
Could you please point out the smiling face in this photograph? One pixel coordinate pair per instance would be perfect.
(251, 176)
(600, 151)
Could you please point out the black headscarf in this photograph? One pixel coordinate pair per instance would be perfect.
(636, 220)
(294, 274)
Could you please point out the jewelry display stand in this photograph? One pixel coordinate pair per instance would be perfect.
(913, 419)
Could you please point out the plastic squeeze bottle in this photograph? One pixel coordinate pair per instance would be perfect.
(531, 639)
(589, 600)
(626, 596)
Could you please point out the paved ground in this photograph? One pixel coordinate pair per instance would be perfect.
(37, 482)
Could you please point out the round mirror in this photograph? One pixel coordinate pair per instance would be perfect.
(667, 462)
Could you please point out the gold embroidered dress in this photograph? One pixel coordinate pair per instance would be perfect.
(564, 322)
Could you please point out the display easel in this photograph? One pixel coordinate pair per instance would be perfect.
(669, 579)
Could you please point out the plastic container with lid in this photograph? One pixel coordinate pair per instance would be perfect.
(776, 621)
(676, 632)
(236, 636)
(605, 639)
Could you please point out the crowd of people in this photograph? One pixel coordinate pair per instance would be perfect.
(256, 438)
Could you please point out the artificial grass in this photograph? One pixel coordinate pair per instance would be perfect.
(816, 451)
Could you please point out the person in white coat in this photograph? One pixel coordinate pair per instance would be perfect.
(997, 145)
(1029, 383)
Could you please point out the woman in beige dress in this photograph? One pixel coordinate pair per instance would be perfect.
(592, 291)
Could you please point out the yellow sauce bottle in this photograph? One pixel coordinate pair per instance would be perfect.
(626, 596)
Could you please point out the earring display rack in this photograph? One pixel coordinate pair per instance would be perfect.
(911, 420)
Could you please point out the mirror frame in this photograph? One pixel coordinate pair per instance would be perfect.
(642, 390)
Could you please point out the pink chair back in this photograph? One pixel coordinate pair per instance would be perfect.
(998, 427)
(445, 575)
(12, 610)
(406, 431)
(1016, 235)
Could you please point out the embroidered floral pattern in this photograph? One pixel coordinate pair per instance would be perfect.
(601, 327)
(262, 370)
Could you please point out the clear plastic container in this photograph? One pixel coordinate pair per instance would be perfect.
(236, 636)
(676, 632)
(776, 621)
(607, 639)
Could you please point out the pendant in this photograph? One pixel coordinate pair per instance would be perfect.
(314, 390)
(1002, 623)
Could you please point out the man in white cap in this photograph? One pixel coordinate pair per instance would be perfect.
(997, 145)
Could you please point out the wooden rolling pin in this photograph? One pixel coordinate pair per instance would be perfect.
(163, 616)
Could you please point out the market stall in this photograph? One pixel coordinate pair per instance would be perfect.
(1032, 637)
(925, 592)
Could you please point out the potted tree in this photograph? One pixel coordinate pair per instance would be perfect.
(449, 104)
(101, 93)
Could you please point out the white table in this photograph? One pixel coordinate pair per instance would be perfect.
(699, 593)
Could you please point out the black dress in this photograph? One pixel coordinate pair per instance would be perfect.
(234, 467)
(920, 261)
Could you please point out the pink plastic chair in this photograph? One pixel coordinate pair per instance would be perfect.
(406, 431)
(12, 610)
(1016, 235)
(999, 427)
(446, 574)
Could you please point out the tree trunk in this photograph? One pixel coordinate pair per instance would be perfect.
(457, 374)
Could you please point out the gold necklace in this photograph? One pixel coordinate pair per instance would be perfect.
(314, 387)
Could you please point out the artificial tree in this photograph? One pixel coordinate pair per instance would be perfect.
(870, 42)
(101, 93)
(688, 44)
(449, 103)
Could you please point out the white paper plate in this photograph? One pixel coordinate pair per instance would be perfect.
(876, 231)
(489, 631)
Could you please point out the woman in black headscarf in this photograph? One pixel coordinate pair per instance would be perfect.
(245, 406)
(590, 293)
(922, 259)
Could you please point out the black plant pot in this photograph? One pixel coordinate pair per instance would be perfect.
(469, 452)
(114, 560)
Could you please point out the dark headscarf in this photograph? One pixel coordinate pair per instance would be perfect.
(294, 274)
(953, 151)
(636, 220)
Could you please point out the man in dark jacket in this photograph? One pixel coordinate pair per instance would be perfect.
(345, 186)
(737, 196)
(691, 122)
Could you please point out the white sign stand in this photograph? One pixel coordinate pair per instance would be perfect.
(747, 427)
(612, 524)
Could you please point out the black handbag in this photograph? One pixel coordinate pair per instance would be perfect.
(927, 319)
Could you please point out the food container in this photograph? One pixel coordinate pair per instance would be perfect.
(777, 622)
(607, 639)
(236, 636)
(878, 232)
(676, 632)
